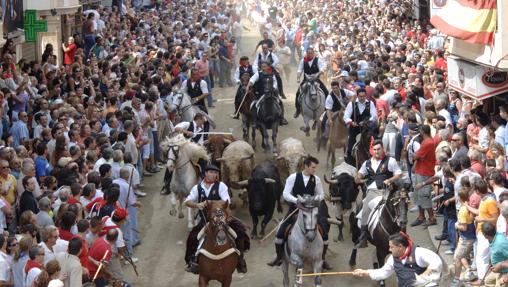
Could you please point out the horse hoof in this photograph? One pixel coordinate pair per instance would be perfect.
(172, 212)
(180, 215)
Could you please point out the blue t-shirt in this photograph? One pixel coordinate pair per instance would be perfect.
(42, 167)
(499, 250)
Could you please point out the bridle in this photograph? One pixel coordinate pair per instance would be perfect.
(175, 150)
(179, 107)
(304, 229)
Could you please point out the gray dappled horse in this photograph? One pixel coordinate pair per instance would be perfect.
(304, 244)
(312, 102)
(186, 111)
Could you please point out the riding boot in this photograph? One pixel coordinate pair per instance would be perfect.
(193, 265)
(326, 266)
(283, 121)
(241, 266)
(279, 249)
(297, 106)
(362, 243)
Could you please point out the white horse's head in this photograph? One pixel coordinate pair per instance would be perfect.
(308, 217)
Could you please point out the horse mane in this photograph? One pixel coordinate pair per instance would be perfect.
(196, 151)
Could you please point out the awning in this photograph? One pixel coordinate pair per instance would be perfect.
(474, 80)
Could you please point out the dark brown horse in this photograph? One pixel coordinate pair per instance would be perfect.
(336, 138)
(219, 256)
(392, 211)
(244, 108)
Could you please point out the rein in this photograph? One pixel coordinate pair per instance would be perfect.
(176, 152)
(179, 107)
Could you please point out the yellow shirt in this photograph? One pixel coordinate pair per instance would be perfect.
(10, 185)
(487, 210)
(464, 216)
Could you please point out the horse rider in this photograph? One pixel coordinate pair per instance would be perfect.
(377, 173)
(359, 112)
(300, 184)
(196, 131)
(197, 89)
(310, 66)
(244, 68)
(267, 56)
(264, 82)
(413, 265)
(335, 101)
(210, 188)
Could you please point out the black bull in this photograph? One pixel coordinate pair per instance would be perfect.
(264, 190)
(343, 192)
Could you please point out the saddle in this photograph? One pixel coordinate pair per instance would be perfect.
(376, 205)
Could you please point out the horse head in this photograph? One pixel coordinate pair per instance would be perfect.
(218, 214)
(173, 155)
(308, 216)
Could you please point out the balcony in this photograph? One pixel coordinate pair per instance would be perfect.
(486, 55)
(42, 5)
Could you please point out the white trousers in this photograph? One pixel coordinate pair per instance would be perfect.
(482, 255)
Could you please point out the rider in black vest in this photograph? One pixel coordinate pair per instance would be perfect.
(263, 82)
(377, 173)
(354, 117)
(267, 56)
(194, 90)
(296, 186)
(405, 261)
(188, 129)
(339, 100)
(211, 189)
(310, 66)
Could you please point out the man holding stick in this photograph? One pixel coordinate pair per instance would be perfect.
(414, 266)
(99, 256)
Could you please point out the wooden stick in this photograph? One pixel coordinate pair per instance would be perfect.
(100, 265)
(277, 227)
(324, 274)
(241, 103)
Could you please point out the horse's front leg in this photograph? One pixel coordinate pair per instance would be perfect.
(245, 128)
(180, 203)
(275, 130)
(317, 267)
(172, 200)
(203, 281)
(226, 282)
(285, 272)
(253, 132)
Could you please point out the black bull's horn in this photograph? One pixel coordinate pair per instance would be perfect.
(331, 181)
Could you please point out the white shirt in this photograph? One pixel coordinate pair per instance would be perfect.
(412, 147)
(255, 78)
(329, 99)
(423, 257)
(98, 164)
(445, 114)
(5, 267)
(194, 194)
(483, 137)
(290, 183)
(197, 129)
(202, 84)
(361, 107)
(264, 57)
(374, 163)
(284, 54)
(60, 246)
(3, 222)
(320, 63)
(31, 276)
(126, 193)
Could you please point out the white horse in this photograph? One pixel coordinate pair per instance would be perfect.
(180, 161)
(312, 101)
(186, 110)
(305, 243)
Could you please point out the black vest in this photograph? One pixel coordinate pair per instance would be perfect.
(337, 104)
(248, 70)
(196, 138)
(269, 59)
(311, 69)
(299, 187)
(406, 273)
(264, 83)
(381, 174)
(213, 195)
(194, 91)
(359, 117)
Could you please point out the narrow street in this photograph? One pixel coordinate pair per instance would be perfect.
(161, 254)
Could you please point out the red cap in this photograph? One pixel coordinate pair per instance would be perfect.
(129, 95)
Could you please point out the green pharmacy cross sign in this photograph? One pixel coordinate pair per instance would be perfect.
(33, 26)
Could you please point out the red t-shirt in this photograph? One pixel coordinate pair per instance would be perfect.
(83, 256)
(69, 56)
(97, 251)
(381, 105)
(478, 168)
(72, 200)
(427, 154)
(65, 235)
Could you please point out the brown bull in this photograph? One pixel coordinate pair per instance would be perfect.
(216, 144)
